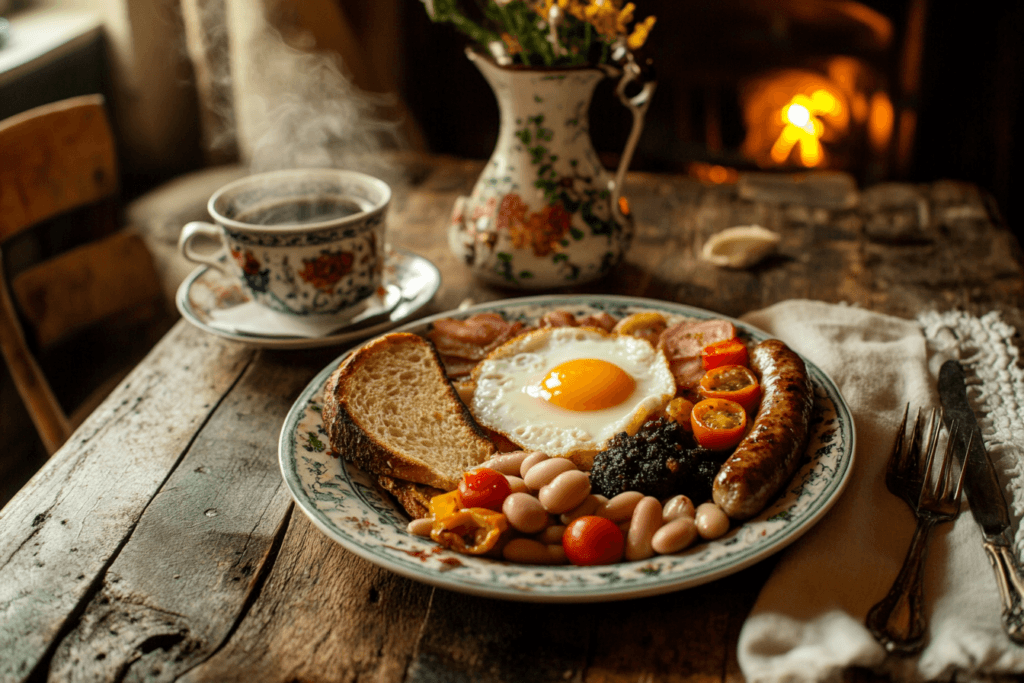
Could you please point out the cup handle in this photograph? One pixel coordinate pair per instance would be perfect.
(638, 105)
(201, 228)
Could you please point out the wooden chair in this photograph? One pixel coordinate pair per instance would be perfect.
(64, 265)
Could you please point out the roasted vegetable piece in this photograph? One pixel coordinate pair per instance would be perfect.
(445, 505)
(726, 352)
(590, 540)
(484, 488)
(473, 531)
(733, 382)
(718, 423)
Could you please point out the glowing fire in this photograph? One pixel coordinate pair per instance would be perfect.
(803, 128)
(790, 114)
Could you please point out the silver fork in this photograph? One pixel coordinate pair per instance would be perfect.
(897, 621)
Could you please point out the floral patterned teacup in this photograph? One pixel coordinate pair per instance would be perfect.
(302, 242)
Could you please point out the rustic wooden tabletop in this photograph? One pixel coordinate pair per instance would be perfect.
(160, 543)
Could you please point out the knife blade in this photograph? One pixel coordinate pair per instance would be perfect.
(985, 495)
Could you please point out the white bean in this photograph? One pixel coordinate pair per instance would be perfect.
(645, 522)
(525, 513)
(516, 484)
(531, 460)
(557, 553)
(543, 472)
(528, 551)
(674, 536)
(565, 492)
(587, 507)
(620, 507)
(507, 463)
(552, 535)
(676, 507)
(421, 526)
(711, 521)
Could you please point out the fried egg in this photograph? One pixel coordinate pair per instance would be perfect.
(566, 391)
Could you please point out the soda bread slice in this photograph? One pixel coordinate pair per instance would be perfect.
(390, 410)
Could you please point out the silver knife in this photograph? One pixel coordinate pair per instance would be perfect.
(985, 495)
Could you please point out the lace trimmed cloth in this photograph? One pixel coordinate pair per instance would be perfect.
(995, 388)
(808, 622)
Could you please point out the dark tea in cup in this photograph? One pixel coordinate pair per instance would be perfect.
(301, 211)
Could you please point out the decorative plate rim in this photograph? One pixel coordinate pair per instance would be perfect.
(366, 516)
(403, 311)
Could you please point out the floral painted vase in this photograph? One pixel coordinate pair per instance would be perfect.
(545, 213)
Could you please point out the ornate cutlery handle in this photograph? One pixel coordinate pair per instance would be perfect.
(1010, 589)
(896, 621)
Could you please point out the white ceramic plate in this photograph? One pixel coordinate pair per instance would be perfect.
(207, 289)
(343, 502)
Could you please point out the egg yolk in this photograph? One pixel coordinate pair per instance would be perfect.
(585, 384)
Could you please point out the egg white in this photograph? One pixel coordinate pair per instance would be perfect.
(502, 399)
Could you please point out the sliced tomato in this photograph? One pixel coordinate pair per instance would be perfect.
(718, 423)
(732, 382)
(484, 488)
(591, 540)
(726, 352)
(678, 410)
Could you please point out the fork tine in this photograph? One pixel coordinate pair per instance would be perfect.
(896, 453)
(916, 436)
(933, 433)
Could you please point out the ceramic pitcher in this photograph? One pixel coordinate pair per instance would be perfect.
(545, 213)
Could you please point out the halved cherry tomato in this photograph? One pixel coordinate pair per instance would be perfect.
(718, 423)
(726, 352)
(471, 530)
(678, 410)
(591, 540)
(484, 488)
(733, 382)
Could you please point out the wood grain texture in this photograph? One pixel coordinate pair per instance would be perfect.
(64, 529)
(55, 157)
(323, 615)
(177, 588)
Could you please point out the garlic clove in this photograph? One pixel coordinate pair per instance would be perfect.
(740, 246)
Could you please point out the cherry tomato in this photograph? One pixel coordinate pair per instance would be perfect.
(591, 540)
(678, 410)
(718, 423)
(484, 488)
(733, 382)
(726, 352)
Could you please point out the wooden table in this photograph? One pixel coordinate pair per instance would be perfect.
(161, 544)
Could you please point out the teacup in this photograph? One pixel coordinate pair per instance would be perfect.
(302, 242)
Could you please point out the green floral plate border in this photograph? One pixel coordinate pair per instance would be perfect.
(344, 503)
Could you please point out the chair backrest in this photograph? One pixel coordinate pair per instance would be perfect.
(58, 167)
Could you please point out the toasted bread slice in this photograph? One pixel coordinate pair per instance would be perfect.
(390, 410)
(415, 498)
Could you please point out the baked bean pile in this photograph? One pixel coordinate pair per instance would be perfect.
(548, 494)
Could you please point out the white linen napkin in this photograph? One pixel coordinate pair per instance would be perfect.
(808, 622)
(251, 318)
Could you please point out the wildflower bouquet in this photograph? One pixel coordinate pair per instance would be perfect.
(547, 32)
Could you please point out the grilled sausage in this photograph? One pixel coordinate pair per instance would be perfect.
(769, 454)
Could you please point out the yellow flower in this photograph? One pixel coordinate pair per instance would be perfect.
(604, 17)
(637, 39)
(511, 43)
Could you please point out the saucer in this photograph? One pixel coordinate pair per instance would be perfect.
(216, 303)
